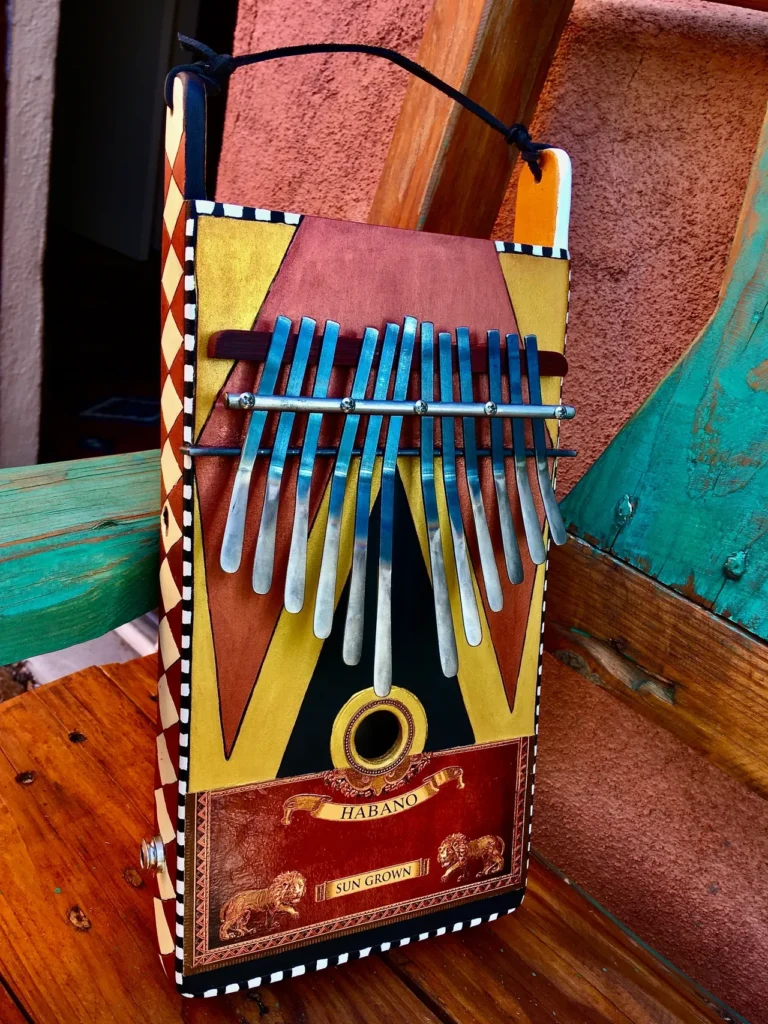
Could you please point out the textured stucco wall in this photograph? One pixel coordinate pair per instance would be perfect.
(33, 32)
(659, 103)
(310, 134)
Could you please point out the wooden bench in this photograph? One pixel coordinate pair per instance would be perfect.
(77, 933)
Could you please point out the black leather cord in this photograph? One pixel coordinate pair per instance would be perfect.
(214, 70)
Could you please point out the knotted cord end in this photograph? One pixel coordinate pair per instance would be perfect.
(518, 135)
(212, 68)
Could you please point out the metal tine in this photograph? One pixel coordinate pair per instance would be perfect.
(508, 536)
(296, 573)
(382, 659)
(446, 640)
(264, 559)
(533, 536)
(234, 531)
(469, 612)
(487, 556)
(554, 518)
(353, 628)
(326, 588)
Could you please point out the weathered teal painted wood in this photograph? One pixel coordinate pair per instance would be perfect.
(78, 550)
(682, 491)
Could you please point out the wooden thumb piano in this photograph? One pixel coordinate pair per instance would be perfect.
(360, 434)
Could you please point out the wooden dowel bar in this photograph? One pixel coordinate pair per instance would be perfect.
(252, 346)
(195, 450)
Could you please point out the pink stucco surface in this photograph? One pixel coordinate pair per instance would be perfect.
(659, 103)
(310, 134)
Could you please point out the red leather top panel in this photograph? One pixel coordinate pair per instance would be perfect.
(363, 276)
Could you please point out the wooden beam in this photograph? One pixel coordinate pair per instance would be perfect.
(79, 548)
(446, 170)
(670, 659)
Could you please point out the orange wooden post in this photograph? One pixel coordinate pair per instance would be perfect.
(446, 170)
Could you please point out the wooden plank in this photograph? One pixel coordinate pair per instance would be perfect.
(673, 661)
(446, 170)
(9, 1012)
(68, 834)
(66, 839)
(138, 681)
(682, 491)
(556, 958)
(361, 992)
(78, 550)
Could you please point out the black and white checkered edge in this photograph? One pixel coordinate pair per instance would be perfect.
(532, 250)
(190, 333)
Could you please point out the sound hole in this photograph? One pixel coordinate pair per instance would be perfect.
(377, 736)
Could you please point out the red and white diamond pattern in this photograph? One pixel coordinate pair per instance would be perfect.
(177, 281)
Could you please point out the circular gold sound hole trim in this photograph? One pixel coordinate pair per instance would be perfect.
(398, 750)
(411, 720)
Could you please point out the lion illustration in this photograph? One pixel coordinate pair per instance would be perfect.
(456, 851)
(280, 897)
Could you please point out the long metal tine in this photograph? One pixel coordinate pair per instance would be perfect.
(469, 612)
(326, 587)
(446, 640)
(234, 531)
(382, 659)
(264, 559)
(554, 518)
(533, 536)
(508, 537)
(353, 629)
(296, 573)
(487, 557)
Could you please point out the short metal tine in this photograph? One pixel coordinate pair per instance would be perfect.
(446, 640)
(296, 573)
(508, 536)
(533, 535)
(353, 629)
(234, 531)
(469, 612)
(487, 556)
(325, 599)
(264, 559)
(554, 518)
(382, 660)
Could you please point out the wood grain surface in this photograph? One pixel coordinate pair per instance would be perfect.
(446, 170)
(78, 550)
(77, 938)
(675, 662)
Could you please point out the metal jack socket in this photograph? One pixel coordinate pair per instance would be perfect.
(152, 855)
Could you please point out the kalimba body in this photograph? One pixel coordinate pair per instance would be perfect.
(352, 593)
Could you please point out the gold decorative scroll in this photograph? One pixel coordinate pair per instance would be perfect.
(320, 806)
(371, 879)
